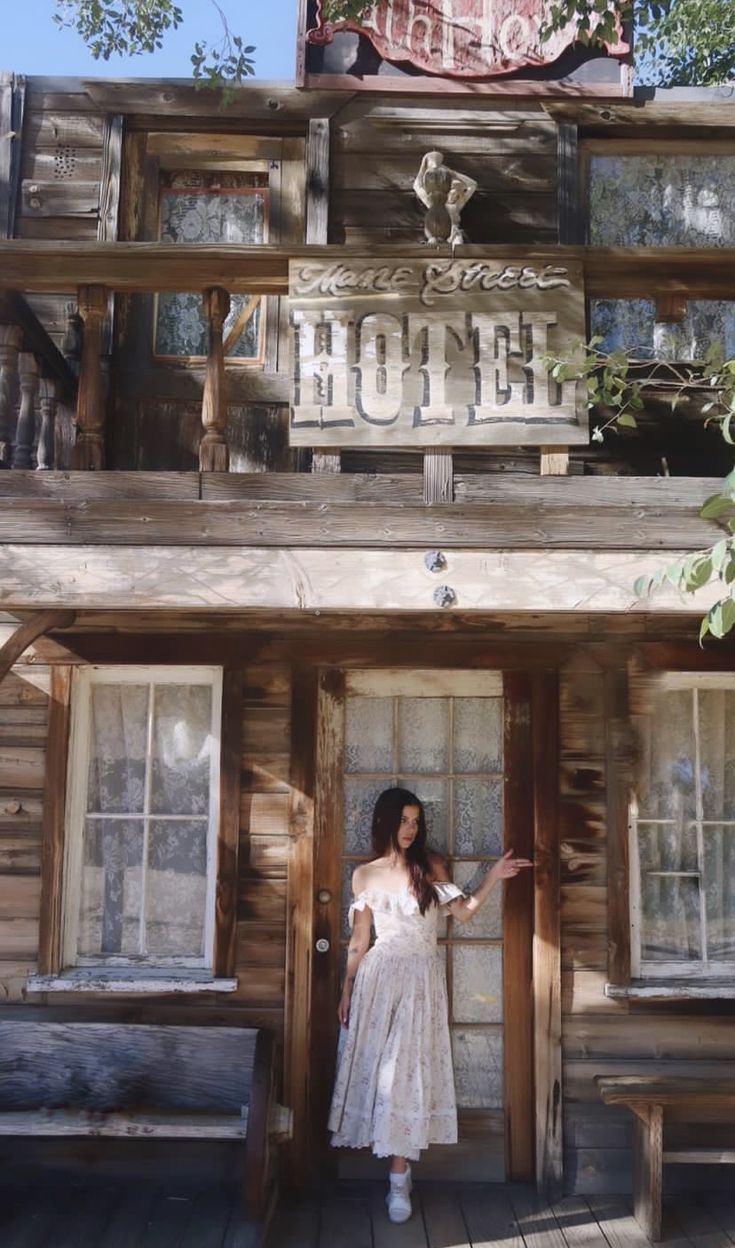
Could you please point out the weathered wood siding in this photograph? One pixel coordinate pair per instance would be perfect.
(377, 149)
(599, 1035)
(61, 177)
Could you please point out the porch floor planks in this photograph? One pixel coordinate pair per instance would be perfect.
(536, 1221)
(578, 1224)
(103, 1214)
(443, 1218)
(490, 1218)
(700, 1227)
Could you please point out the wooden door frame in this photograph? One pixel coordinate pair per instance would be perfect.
(533, 1105)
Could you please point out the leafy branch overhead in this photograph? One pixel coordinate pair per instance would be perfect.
(617, 386)
(676, 41)
(131, 27)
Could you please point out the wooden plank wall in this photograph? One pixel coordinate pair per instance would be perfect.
(599, 1035)
(61, 175)
(377, 149)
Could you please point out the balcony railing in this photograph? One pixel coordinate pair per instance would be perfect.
(34, 376)
(669, 276)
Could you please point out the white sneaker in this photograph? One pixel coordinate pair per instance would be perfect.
(399, 1197)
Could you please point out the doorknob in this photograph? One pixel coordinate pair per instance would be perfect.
(324, 896)
(322, 945)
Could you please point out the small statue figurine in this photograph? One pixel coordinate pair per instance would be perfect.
(444, 193)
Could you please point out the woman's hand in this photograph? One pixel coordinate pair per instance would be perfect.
(343, 1009)
(507, 867)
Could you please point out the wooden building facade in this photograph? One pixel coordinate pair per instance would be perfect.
(221, 642)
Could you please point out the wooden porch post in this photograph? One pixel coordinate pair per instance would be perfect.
(28, 632)
(26, 427)
(214, 454)
(547, 934)
(11, 340)
(89, 449)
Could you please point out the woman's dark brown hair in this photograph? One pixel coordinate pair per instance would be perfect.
(386, 823)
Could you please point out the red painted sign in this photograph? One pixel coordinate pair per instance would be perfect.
(458, 38)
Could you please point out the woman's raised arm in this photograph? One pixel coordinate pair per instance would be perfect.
(463, 909)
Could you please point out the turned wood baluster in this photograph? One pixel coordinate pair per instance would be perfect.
(89, 449)
(214, 454)
(47, 404)
(26, 427)
(11, 340)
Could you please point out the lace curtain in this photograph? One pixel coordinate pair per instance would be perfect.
(144, 869)
(685, 828)
(662, 200)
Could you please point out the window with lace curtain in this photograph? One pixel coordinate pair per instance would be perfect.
(141, 818)
(682, 831)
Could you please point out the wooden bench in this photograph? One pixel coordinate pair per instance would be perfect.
(134, 1080)
(654, 1101)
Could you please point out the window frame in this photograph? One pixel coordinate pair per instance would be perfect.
(627, 706)
(703, 969)
(62, 749)
(76, 812)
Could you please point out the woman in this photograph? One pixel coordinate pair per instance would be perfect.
(394, 1091)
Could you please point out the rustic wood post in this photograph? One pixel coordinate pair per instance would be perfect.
(214, 454)
(89, 449)
(26, 427)
(11, 340)
(47, 404)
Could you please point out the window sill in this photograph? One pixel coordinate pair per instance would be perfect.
(650, 990)
(75, 981)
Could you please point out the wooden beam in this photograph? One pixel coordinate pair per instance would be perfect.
(89, 449)
(213, 451)
(317, 180)
(610, 272)
(571, 229)
(618, 750)
(132, 578)
(228, 829)
(327, 879)
(12, 107)
(54, 805)
(526, 524)
(547, 935)
(300, 903)
(28, 632)
(518, 919)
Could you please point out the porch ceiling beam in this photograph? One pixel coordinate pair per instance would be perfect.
(613, 272)
(134, 578)
(528, 522)
(28, 632)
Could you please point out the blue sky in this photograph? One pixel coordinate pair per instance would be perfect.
(30, 43)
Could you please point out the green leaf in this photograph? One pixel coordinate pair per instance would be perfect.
(627, 420)
(715, 506)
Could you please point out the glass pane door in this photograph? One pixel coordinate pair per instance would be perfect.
(440, 735)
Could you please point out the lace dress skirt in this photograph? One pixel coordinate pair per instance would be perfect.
(394, 1091)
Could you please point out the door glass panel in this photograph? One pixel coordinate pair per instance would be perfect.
(477, 983)
(360, 797)
(433, 792)
(478, 1068)
(369, 735)
(423, 728)
(478, 734)
(478, 816)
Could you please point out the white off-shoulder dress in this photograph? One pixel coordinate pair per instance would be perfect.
(394, 1091)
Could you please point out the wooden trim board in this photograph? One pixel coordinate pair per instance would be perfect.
(129, 578)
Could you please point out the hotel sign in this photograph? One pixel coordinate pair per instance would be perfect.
(471, 39)
(439, 352)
